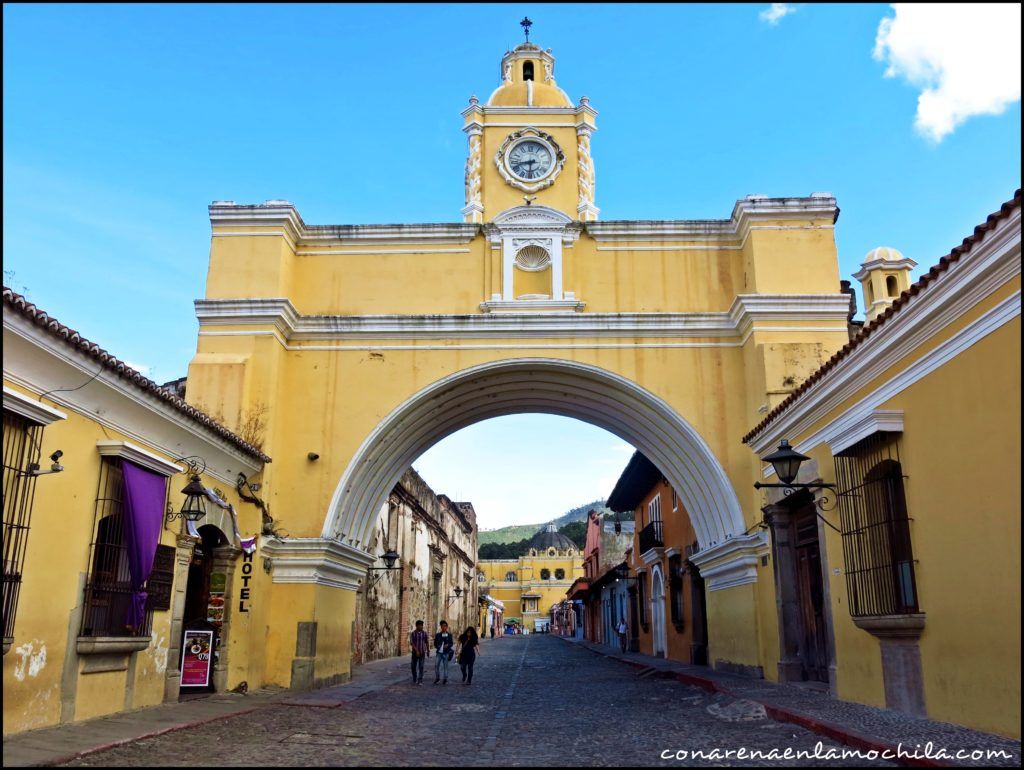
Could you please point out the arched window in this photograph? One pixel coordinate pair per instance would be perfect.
(545, 574)
(480, 577)
(876, 529)
(551, 551)
(510, 577)
(559, 574)
(528, 70)
(891, 287)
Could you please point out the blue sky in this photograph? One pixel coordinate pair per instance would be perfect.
(122, 123)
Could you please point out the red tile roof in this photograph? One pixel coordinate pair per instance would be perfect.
(902, 301)
(15, 302)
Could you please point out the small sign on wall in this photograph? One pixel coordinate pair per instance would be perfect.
(196, 658)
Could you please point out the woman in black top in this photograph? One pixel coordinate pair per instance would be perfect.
(469, 645)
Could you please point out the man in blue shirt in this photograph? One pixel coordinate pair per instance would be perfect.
(444, 644)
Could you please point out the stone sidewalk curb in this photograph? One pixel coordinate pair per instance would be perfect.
(829, 730)
(331, 697)
(153, 734)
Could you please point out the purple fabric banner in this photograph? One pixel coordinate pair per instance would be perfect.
(144, 495)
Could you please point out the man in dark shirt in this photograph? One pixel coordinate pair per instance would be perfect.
(444, 644)
(420, 645)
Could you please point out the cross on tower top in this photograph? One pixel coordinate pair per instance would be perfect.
(526, 24)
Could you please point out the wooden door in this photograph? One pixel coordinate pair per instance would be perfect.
(813, 642)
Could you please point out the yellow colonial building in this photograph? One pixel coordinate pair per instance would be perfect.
(364, 345)
(900, 583)
(531, 585)
(102, 575)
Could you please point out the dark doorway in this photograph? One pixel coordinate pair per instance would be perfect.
(800, 592)
(811, 596)
(698, 612)
(198, 596)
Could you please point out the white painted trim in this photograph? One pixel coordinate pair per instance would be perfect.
(48, 364)
(732, 562)
(527, 346)
(136, 454)
(993, 262)
(851, 427)
(991, 321)
(748, 313)
(535, 124)
(554, 386)
(306, 253)
(521, 305)
(33, 411)
(316, 560)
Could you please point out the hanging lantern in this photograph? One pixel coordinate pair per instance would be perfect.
(195, 500)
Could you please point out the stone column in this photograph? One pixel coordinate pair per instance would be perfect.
(901, 659)
(182, 558)
(786, 598)
(224, 559)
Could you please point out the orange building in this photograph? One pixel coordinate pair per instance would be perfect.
(668, 617)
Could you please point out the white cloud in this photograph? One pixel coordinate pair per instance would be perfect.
(773, 14)
(965, 58)
(145, 369)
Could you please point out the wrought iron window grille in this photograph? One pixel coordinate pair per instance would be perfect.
(21, 449)
(108, 587)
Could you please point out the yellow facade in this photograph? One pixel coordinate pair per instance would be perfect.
(53, 671)
(947, 394)
(530, 585)
(368, 343)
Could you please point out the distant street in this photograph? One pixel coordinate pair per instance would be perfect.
(535, 700)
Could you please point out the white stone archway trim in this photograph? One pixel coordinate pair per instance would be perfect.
(550, 386)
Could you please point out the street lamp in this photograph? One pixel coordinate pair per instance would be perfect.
(786, 462)
(457, 591)
(196, 495)
(389, 558)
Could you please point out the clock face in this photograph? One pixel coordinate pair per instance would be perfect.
(530, 160)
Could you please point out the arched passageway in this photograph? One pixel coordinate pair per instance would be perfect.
(551, 386)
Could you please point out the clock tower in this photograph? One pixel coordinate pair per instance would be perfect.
(529, 144)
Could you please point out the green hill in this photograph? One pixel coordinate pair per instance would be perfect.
(517, 532)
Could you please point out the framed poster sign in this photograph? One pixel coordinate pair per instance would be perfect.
(196, 658)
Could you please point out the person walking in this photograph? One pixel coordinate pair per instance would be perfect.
(420, 650)
(621, 629)
(469, 648)
(444, 645)
(492, 632)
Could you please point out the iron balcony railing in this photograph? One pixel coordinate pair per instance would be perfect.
(650, 537)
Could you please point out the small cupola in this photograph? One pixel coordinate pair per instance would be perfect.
(528, 77)
(884, 275)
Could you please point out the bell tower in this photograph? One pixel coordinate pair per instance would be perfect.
(529, 144)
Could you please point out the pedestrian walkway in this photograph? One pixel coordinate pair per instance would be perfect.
(63, 743)
(853, 724)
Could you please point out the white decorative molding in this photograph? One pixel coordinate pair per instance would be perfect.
(652, 556)
(992, 262)
(39, 362)
(884, 264)
(733, 562)
(529, 133)
(746, 215)
(136, 454)
(299, 234)
(316, 560)
(995, 318)
(554, 386)
(537, 224)
(748, 314)
(31, 410)
(845, 431)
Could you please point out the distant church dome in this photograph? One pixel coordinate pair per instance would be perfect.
(885, 254)
(550, 537)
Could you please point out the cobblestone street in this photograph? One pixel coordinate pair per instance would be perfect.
(535, 700)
